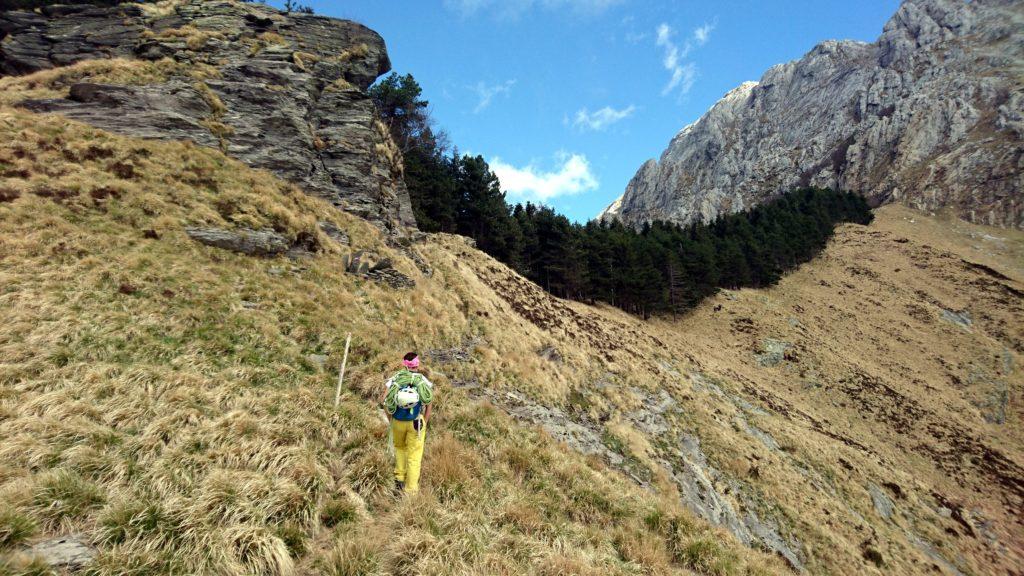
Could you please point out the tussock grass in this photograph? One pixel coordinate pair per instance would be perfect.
(350, 557)
(304, 60)
(15, 527)
(340, 85)
(386, 149)
(265, 40)
(358, 51)
(56, 82)
(338, 511)
(24, 565)
(64, 495)
(195, 38)
(183, 432)
(161, 8)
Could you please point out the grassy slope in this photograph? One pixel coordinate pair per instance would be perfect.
(141, 412)
(143, 405)
(874, 364)
(876, 388)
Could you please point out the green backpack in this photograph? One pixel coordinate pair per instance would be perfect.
(407, 379)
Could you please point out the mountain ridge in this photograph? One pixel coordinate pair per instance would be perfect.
(930, 115)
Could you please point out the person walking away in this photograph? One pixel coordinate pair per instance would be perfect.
(407, 399)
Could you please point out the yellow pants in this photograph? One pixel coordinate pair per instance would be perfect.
(408, 453)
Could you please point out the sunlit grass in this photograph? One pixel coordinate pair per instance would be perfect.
(143, 405)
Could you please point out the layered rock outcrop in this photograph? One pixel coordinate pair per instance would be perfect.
(283, 92)
(930, 115)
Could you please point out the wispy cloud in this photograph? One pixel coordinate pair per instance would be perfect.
(632, 34)
(702, 34)
(512, 9)
(682, 73)
(600, 119)
(572, 175)
(486, 93)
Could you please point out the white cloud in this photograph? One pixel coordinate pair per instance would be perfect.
(486, 93)
(512, 9)
(682, 74)
(572, 176)
(601, 119)
(683, 77)
(701, 35)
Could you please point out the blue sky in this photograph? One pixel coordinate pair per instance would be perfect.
(567, 98)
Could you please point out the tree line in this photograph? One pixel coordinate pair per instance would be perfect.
(659, 268)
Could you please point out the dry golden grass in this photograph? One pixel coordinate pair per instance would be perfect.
(217, 110)
(304, 60)
(356, 52)
(161, 8)
(195, 38)
(876, 385)
(159, 396)
(55, 83)
(265, 40)
(143, 405)
(340, 85)
(386, 149)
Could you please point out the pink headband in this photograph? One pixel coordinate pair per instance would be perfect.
(412, 364)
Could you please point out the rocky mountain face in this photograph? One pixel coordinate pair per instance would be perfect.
(282, 92)
(930, 115)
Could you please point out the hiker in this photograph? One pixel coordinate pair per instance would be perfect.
(407, 398)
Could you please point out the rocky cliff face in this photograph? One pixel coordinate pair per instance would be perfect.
(283, 92)
(930, 115)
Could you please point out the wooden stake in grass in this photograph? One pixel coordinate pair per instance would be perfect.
(341, 375)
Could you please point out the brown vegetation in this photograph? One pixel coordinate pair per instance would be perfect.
(185, 432)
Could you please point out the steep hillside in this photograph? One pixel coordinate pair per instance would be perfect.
(170, 403)
(864, 410)
(173, 319)
(929, 115)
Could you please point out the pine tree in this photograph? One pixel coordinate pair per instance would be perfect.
(660, 268)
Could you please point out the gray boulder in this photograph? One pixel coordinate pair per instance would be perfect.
(881, 501)
(773, 352)
(244, 240)
(962, 319)
(66, 552)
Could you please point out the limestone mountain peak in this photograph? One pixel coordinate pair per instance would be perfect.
(929, 115)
